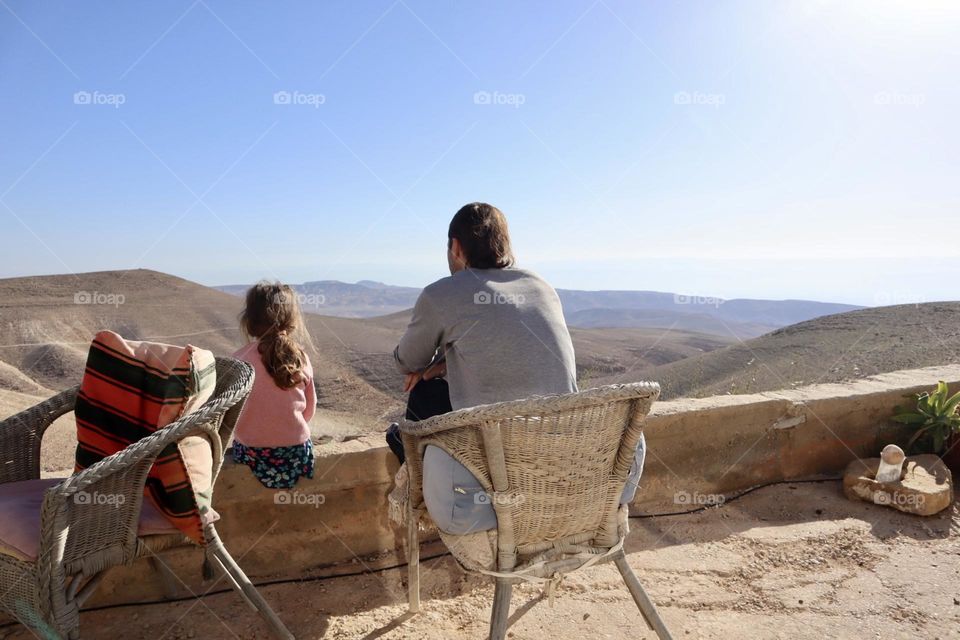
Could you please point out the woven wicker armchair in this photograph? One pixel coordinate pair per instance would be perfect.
(554, 469)
(79, 542)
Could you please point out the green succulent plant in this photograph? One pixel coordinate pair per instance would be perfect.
(936, 418)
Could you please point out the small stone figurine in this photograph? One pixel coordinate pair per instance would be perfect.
(891, 464)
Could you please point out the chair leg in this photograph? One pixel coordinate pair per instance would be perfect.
(224, 572)
(644, 603)
(501, 609)
(248, 590)
(413, 563)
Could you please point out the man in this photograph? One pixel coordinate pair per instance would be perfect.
(495, 331)
(488, 333)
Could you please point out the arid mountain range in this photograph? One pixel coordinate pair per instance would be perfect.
(46, 324)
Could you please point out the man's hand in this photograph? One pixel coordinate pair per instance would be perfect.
(411, 380)
(436, 370)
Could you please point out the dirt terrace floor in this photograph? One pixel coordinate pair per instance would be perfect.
(787, 561)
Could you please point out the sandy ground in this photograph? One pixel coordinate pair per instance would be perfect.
(786, 561)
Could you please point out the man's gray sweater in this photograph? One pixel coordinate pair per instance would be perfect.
(502, 332)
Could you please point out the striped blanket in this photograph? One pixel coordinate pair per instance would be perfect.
(129, 391)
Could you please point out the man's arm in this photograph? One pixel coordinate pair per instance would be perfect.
(418, 346)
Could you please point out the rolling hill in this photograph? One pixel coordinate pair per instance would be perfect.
(46, 324)
(829, 349)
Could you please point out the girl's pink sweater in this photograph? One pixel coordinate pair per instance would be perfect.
(275, 417)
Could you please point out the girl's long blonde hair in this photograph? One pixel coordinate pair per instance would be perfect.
(272, 316)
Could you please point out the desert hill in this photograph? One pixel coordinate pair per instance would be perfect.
(829, 349)
(46, 324)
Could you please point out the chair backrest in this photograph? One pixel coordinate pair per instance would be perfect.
(555, 467)
(94, 534)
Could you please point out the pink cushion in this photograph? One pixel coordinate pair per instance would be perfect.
(20, 504)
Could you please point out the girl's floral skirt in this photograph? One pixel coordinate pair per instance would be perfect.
(276, 467)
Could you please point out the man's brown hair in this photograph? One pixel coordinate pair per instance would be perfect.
(482, 231)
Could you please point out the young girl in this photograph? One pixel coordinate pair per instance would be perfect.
(273, 434)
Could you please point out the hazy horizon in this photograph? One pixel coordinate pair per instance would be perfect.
(703, 295)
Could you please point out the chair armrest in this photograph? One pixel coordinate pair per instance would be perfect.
(21, 435)
(537, 405)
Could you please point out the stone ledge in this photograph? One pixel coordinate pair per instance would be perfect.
(709, 446)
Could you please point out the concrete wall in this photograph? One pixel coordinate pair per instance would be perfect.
(698, 449)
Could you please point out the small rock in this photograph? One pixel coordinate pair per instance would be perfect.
(926, 487)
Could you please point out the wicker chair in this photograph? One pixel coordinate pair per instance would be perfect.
(554, 469)
(78, 543)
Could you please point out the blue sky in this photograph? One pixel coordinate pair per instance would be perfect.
(738, 149)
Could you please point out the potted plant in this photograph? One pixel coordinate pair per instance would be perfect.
(938, 424)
